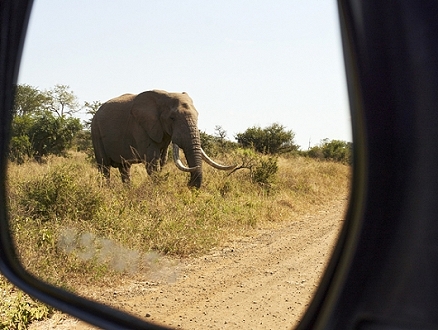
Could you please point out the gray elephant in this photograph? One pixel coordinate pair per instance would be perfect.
(133, 129)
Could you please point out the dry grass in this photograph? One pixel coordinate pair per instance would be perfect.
(71, 228)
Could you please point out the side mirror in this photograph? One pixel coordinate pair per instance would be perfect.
(383, 272)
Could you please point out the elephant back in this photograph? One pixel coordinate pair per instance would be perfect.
(113, 114)
(122, 98)
(110, 108)
(120, 101)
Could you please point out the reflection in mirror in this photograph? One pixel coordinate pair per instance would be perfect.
(248, 247)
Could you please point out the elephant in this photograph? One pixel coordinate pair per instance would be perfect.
(138, 128)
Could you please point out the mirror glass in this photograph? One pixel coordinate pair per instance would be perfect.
(246, 249)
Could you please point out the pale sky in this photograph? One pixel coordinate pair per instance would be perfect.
(244, 63)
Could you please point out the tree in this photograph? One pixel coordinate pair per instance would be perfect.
(216, 144)
(29, 100)
(220, 134)
(20, 147)
(220, 139)
(36, 130)
(41, 134)
(52, 135)
(270, 140)
(208, 143)
(91, 109)
(335, 150)
(62, 101)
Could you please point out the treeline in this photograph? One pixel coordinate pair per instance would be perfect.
(44, 123)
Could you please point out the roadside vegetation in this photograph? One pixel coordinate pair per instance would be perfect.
(73, 229)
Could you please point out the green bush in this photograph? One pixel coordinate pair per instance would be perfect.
(53, 135)
(20, 149)
(41, 134)
(335, 150)
(265, 171)
(208, 144)
(217, 144)
(273, 139)
(29, 100)
(58, 194)
(18, 310)
(82, 142)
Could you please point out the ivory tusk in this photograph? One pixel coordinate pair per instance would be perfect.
(179, 163)
(211, 162)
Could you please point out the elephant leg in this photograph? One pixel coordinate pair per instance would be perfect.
(125, 172)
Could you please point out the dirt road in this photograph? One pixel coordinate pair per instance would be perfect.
(263, 281)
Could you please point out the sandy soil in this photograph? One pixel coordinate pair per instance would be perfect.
(264, 281)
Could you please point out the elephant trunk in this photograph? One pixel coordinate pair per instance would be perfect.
(189, 141)
(194, 156)
(178, 161)
(194, 160)
(192, 152)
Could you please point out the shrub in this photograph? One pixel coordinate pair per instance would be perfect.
(335, 150)
(208, 143)
(40, 135)
(52, 135)
(265, 171)
(58, 194)
(82, 142)
(262, 168)
(20, 149)
(217, 144)
(270, 140)
(19, 310)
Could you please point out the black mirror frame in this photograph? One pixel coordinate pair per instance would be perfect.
(383, 271)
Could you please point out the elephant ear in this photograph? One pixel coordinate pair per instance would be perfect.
(146, 111)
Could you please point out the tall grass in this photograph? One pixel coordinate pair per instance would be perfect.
(71, 227)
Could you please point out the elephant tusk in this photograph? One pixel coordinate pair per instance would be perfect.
(211, 162)
(179, 163)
